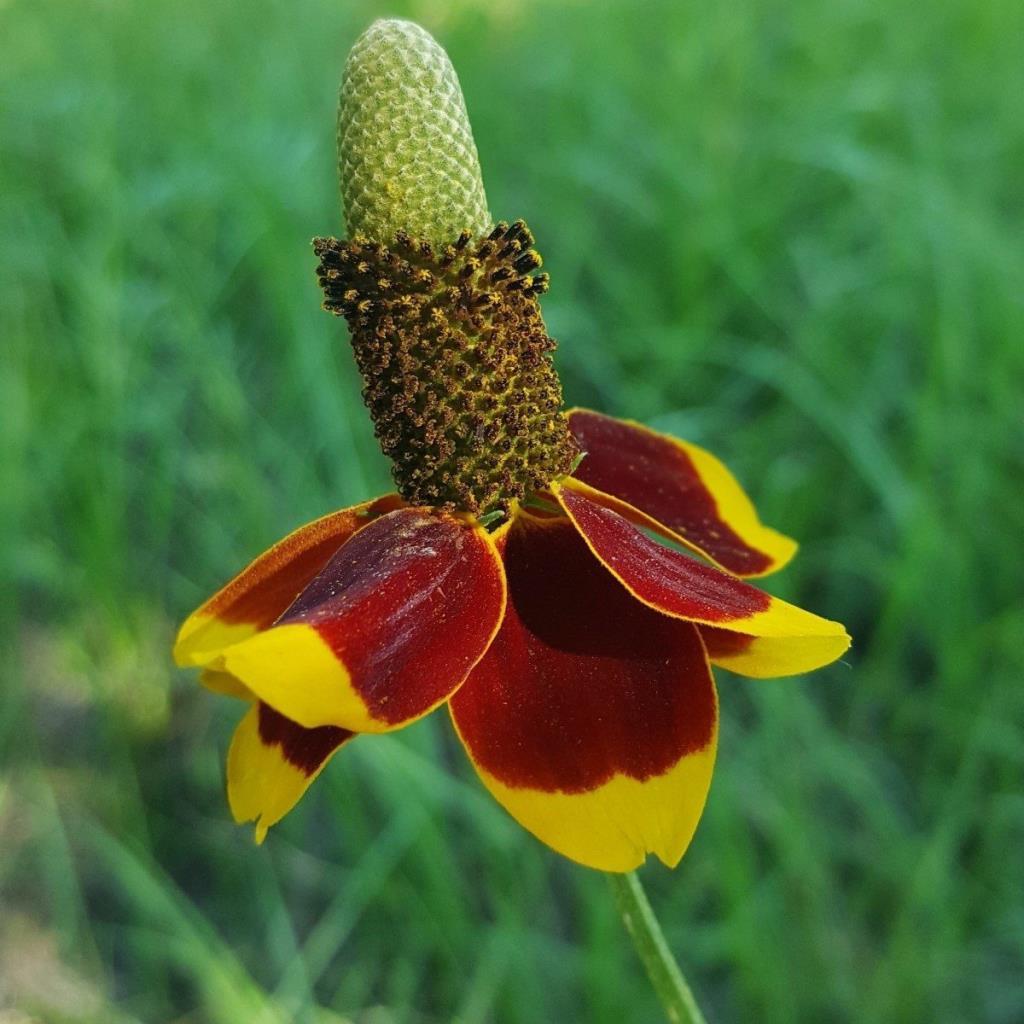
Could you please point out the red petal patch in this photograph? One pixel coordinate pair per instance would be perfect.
(681, 486)
(585, 701)
(582, 681)
(252, 601)
(780, 638)
(386, 631)
(269, 585)
(271, 763)
(668, 580)
(305, 749)
(722, 643)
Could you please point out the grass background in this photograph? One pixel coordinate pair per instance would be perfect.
(789, 230)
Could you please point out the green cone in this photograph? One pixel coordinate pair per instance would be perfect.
(406, 155)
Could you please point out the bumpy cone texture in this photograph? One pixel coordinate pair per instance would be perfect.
(406, 155)
(457, 363)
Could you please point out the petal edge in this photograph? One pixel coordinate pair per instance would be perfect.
(272, 762)
(251, 601)
(387, 631)
(789, 640)
(682, 486)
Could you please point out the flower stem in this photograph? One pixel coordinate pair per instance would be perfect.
(665, 976)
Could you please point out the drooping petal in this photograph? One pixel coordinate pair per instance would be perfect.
(789, 640)
(271, 762)
(591, 719)
(268, 585)
(387, 630)
(682, 486)
(766, 657)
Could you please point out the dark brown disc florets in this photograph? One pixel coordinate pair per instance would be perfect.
(456, 363)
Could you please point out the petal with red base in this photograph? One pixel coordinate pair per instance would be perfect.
(766, 657)
(267, 586)
(591, 719)
(683, 487)
(271, 763)
(786, 640)
(387, 630)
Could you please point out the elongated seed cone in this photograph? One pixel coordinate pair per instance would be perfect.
(456, 362)
(406, 156)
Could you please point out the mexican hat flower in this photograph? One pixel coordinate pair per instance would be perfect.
(561, 580)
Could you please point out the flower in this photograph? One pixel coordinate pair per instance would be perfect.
(562, 581)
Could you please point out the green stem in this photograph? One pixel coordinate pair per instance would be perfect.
(662, 970)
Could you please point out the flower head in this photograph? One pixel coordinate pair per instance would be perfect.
(567, 611)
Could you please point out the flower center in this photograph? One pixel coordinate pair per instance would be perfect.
(456, 363)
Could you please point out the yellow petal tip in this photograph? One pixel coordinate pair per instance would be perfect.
(292, 669)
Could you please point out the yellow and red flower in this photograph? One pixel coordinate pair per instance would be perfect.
(563, 582)
(573, 650)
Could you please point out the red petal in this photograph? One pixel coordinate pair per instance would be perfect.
(386, 631)
(269, 584)
(271, 763)
(790, 640)
(305, 749)
(591, 718)
(682, 486)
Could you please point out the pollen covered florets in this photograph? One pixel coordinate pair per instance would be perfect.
(456, 362)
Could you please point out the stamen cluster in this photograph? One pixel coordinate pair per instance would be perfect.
(456, 363)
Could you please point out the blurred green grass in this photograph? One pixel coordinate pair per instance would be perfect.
(789, 231)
